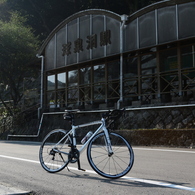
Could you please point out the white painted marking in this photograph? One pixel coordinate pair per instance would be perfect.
(168, 185)
(165, 150)
(152, 182)
(20, 159)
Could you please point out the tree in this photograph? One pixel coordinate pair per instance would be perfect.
(18, 47)
(42, 16)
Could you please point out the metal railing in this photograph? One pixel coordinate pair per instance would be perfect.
(98, 111)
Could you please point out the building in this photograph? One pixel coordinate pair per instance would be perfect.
(97, 59)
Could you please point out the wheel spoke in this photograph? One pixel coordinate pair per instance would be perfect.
(116, 165)
(53, 156)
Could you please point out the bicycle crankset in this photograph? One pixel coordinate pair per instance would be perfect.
(73, 156)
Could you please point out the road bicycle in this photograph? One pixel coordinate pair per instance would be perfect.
(108, 153)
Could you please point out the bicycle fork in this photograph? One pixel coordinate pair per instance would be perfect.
(108, 143)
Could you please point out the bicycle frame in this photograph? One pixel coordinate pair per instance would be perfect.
(101, 128)
(110, 161)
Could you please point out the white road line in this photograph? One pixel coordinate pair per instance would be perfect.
(165, 150)
(152, 182)
(168, 185)
(20, 159)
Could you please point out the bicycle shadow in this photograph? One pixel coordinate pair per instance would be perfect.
(86, 176)
(120, 181)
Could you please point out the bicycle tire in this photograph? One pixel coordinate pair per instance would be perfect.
(52, 160)
(116, 165)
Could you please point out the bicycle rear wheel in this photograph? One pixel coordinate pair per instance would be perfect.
(54, 150)
(111, 166)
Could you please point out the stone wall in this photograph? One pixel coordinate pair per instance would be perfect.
(161, 118)
(171, 126)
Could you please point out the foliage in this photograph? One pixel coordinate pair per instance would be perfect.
(42, 16)
(18, 47)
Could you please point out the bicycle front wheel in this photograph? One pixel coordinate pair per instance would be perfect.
(54, 150)
(111, 166)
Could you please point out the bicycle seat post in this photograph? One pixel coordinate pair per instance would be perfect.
(72, 119)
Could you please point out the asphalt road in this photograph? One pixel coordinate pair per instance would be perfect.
(156, 171)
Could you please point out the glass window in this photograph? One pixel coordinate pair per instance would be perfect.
(51, 99)
(186, 14)
(85, 75)
(73, 94)
(61, 98)
(61, 79)
(113, 70)
(147, 31)
(51, 82)
(73, 78)
(168, 60)
(169, 80)
(148, 78)
(148, 64)
(130, 74)
(130, 67)
(99, 73)
(167, 24)
(188, 56)
(99, 92)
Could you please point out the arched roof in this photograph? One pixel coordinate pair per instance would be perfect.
(95, 33)
(77, 15)
(154, 6)
(160, 23)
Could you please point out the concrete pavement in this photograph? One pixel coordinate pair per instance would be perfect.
(6, 189)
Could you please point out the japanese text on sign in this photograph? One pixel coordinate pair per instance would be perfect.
(91, 40)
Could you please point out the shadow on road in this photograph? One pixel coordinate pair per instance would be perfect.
(120, 182)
